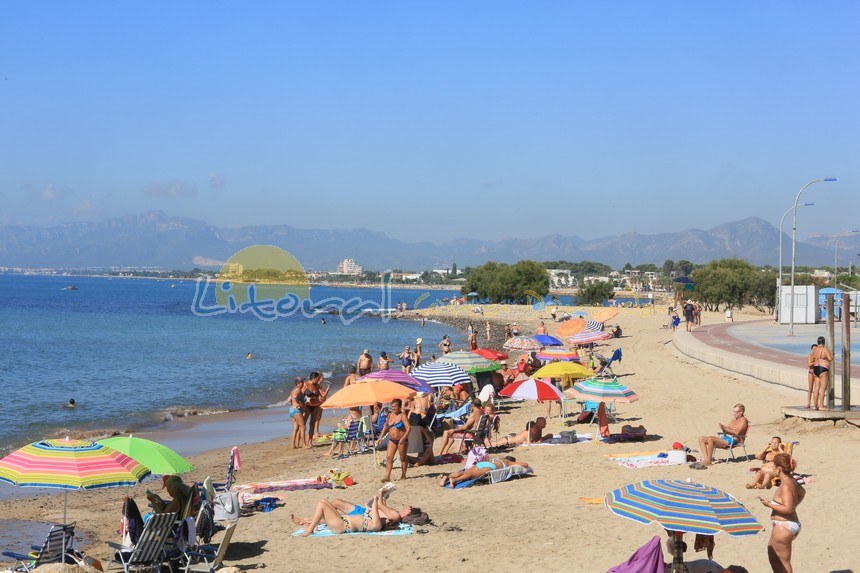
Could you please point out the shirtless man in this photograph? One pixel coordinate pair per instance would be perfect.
(448, 436)
(821, 370)
(364, 363)
(488, 331)
(351, 377)
(728, 434)
(763, 476)
(508, 374)
(541, 329)
(532, 434)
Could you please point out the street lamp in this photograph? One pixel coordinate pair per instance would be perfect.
(794, 251)
(779, 278)
(836, 255)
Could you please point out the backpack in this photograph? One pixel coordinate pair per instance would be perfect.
(419, 518)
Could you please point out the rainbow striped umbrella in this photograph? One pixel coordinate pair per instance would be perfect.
(398, 377)
(550, 354)
(70, 464)
(682, 506)
(602, 391)
(522, 343)
(589, 336)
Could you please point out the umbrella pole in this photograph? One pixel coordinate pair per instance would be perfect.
(65, 505)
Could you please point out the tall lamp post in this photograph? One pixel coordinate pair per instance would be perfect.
(779, 278)
(794, 252)
(836, 254)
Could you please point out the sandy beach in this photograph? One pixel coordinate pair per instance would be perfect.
(539, 522)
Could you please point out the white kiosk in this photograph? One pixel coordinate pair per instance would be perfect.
(805, 304)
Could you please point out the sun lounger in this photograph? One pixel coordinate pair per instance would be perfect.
(51, 551)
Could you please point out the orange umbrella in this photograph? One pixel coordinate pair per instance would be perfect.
(606, 314)
(367, 394)
(571, 327)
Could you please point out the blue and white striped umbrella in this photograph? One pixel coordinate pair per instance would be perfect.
(438, 374)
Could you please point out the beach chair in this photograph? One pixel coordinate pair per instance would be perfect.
(592, 407)
(458, 415)
(232, 468)
(479, 435)
(51, 551)
(606, 370)
(149, 552)
(366, 434)
(739, 441)
(208, 558)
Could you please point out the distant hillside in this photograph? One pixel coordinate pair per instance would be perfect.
(158, 240)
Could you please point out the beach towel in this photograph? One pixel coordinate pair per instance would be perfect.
(288, 485)
(646, 559)
(650, 461)
(449, 459)
(602, 420)
(323, 531)
(557, 441)
(496, 476)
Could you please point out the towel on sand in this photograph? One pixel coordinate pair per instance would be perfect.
(555, 441)
(496, 476)
(288, 485)
(323, 531)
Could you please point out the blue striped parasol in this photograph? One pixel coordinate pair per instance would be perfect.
(438, 374)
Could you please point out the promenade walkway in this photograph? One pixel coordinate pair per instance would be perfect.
(715, 344)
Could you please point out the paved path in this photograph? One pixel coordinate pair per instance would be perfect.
(714, 344)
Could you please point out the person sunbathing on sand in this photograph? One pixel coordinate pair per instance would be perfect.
(350, 519)
(532, 434)
(480, 469)
(728, 435)
(347, 508)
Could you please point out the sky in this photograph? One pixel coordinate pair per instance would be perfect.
(432, 120)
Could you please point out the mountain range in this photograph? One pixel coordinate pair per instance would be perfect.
(154, 239)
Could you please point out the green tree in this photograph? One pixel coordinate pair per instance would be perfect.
(595, 292)
(508, 283)
(686, 267)
(734, 283)
(668, 267)
(627, 267)
(453, 269)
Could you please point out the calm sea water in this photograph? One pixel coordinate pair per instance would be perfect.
(131, 351)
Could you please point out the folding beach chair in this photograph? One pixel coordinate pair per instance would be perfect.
(479, 435)
(149, 552)
(51, 551)
(738, 441)
(208, 558)
(366, 434)
(606, 369)
(231, 472)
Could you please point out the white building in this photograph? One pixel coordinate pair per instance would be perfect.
(349, 267)
(560, 278)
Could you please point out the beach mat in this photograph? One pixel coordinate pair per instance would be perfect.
(323, 531)
(287, 485)
(496, 476)
(556, 441)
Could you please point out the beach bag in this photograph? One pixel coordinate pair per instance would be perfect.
(227, 506)
(418, 518)
(476, 454)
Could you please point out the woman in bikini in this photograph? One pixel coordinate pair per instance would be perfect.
(315, 395)
(783, 516)
(297, 413)
(326, 513)
(397, 427)
(480, 469)
(812, 391)
(821, 370)
(356, 515)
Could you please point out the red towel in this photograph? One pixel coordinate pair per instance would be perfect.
(602, 421)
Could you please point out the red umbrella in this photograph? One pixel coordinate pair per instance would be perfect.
(490, 354)
(532, 389)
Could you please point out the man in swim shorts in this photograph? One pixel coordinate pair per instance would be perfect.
(728, 437)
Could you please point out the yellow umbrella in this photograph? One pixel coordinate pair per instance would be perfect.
(562, 369)
(367, 394)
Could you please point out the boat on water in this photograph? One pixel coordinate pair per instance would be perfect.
(70, 287)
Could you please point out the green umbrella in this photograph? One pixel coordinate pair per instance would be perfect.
(160, 459)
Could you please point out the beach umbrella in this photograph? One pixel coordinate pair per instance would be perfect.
(160, 459)
(69, 465)
(683, 280)
(550, 354)
(522, 343)
(606, 314)
(470, 363)
(570, 327)
(587, 337)
(490, 354)
(579, 313)
(547, 340)
(599, 390)
(682, 507)
(561, 369)
(367, 394)
(532, 389)
(398, 377)
(438, 374)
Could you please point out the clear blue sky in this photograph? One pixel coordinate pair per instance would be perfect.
(432, 120)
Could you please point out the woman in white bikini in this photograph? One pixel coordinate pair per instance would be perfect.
(783, 517)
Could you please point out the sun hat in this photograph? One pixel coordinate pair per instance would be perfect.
(366, 351)
(419, 340)
(678, 446)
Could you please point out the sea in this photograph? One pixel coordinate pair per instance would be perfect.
(134, 356)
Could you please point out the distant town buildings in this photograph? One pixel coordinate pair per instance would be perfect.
(349, 267)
